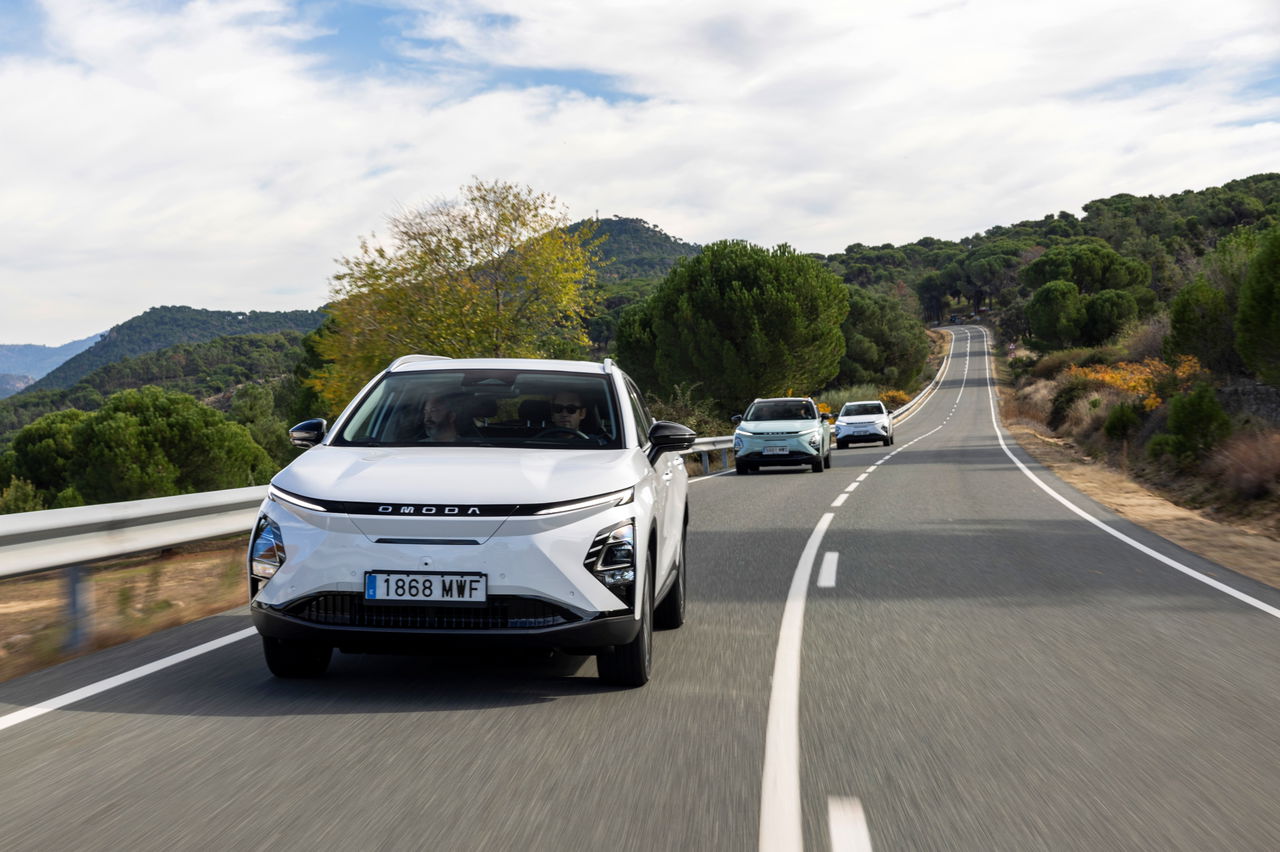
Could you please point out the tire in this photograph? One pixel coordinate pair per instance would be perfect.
(669, 613)
(295, 659)
(841, 445)
(742, 468)
(629, 665)
(826, 460)
(816, 465)
(887, 441)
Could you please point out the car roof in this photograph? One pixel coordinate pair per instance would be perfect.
(864, 402)
(421, 363)
(783, 399)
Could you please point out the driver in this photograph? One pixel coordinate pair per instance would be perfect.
(567, 410)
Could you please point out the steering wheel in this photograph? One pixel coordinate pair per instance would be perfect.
(562, 430)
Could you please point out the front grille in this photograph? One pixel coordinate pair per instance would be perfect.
(498, 613)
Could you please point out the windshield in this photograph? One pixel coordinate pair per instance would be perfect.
(781, 409)
(495, 408)
(855, 408)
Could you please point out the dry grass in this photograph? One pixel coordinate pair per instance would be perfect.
(1248, 465)
(127, 599)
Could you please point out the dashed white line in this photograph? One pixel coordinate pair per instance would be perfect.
(839, 501)
(827, 573)
(847, 824)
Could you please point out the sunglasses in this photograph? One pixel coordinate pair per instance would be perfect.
(557, 408)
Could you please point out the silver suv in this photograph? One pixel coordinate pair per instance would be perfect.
(782, 431)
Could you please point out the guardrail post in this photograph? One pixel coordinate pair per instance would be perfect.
(706, 462)
(724, 458)
(78, 607)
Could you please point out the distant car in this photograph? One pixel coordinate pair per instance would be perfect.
(864, 421)
(782, 431)
(470, 501)
(955, 318)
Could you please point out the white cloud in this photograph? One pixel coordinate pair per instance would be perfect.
(202, 153)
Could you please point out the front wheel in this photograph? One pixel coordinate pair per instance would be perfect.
(816, 465)
(742, 468)
(295, 659)
(826, 460)
(630, 664)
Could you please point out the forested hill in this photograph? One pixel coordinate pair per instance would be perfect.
(1166, 234)
(636, 249)
(33, 361)
(203, 370)
(158, 328)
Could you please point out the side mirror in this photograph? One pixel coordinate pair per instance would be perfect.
(827, 416)
(308, 433)
(735, 419)
(668, 437)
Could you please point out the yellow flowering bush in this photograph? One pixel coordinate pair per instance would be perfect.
(1150, 380)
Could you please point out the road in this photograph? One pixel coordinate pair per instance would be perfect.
(922, 648)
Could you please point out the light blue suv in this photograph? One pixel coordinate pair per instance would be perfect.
(782, 431)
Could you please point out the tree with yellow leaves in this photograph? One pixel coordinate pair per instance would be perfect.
(496, 273)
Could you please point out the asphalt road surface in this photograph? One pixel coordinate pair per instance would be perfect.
(926, 647)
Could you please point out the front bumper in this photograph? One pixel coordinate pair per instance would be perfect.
(794, 457)
(344, 622)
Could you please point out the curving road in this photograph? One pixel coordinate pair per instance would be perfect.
(924, 648)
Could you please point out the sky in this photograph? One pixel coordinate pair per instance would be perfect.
(223, 154)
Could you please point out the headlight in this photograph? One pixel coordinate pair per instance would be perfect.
(266, 551)
(815, 438)
(611, 558)
(738, 442)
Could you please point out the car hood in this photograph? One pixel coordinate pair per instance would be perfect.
(454, 475)
(765, 427)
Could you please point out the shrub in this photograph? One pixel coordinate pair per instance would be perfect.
(684, 407)
(1065, 397)
(894, 399)
(1122, 421)
(1196, 425)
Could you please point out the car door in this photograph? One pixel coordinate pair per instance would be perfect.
(669, 491)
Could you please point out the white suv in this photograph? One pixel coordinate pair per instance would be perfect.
(782, 431)
(534, 502)
(866, 420)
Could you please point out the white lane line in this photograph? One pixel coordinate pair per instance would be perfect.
(781, 828)
(10, 719)
(852, 485)
(827, 573)
(711, 475)
(839, 501)
(848, 825)
(1137, 545)
(862, 477)
(873, 467)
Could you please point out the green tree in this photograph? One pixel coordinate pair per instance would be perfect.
(43, 453)
(1055, 315)
(1090, 265)
(1258, 314)
(20, 496)
(742, 321)
(1106, 314)
(1196, 425)
(883, 344)
(1201, 324)
(497, 273)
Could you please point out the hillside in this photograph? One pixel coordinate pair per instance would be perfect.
(203, 370)
(30, 361)
(158, 328)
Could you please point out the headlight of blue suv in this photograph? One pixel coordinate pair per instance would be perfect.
(266, 551)
(612, 559)
(815, 439)
(738, 442)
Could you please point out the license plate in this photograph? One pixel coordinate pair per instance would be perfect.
(420, 587)
(777, 450)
